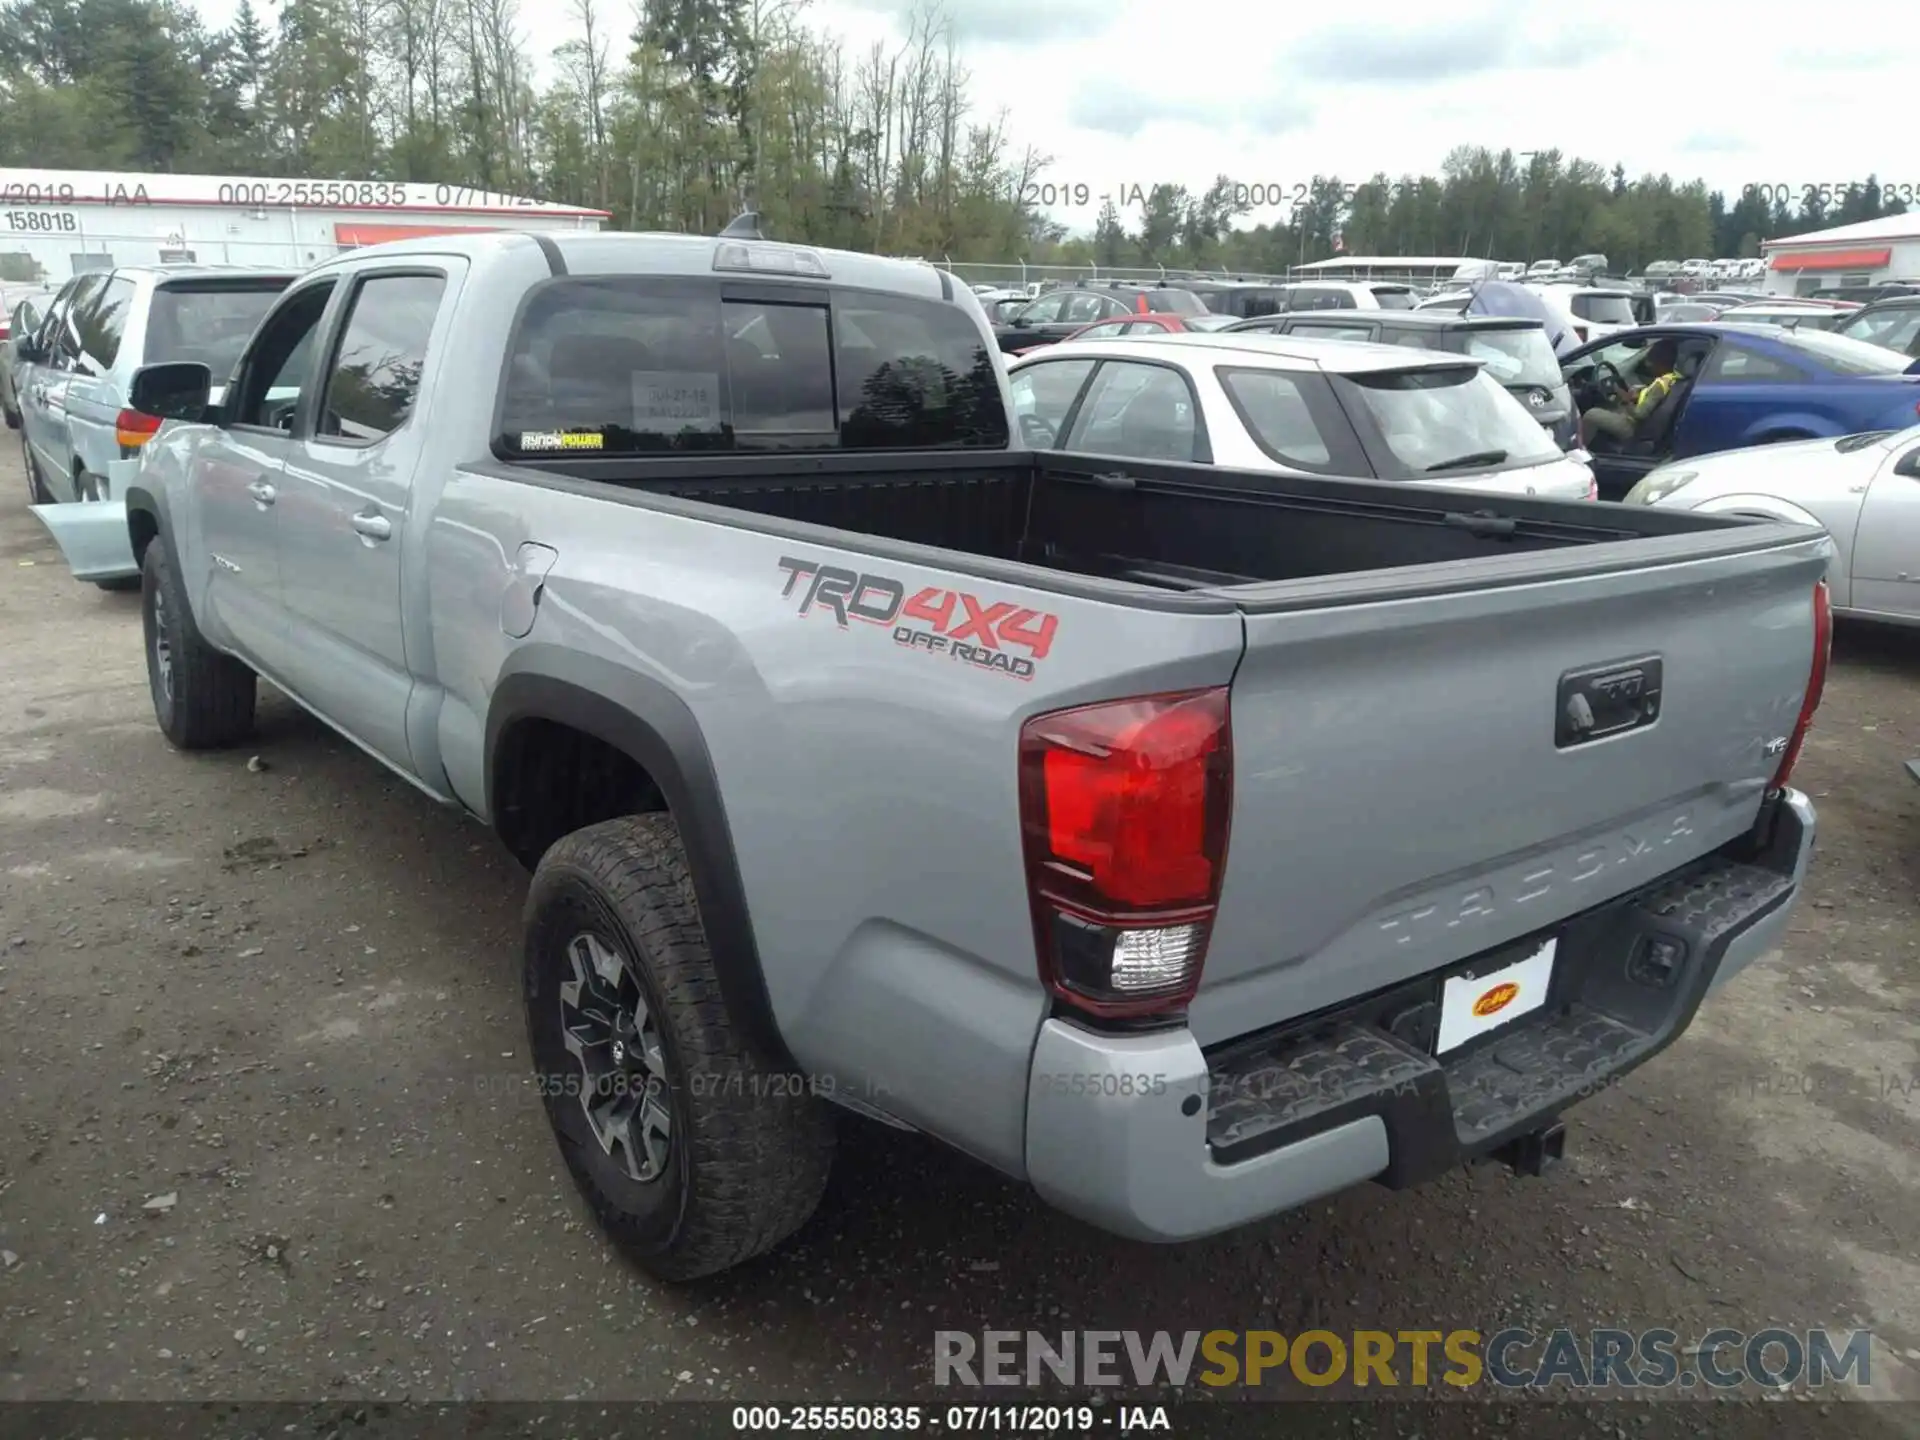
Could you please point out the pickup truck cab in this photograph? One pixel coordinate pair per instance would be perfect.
(1185, 843)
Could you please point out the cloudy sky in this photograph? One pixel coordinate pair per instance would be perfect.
(1140, 92)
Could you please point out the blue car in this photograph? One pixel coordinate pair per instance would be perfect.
(1742, 385)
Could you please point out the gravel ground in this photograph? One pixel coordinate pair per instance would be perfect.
(284, 994)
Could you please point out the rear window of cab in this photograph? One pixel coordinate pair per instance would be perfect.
(635, 366)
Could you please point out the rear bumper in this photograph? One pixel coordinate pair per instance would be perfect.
(1149, 1137)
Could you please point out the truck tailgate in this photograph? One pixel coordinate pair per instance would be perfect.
(1411, 787)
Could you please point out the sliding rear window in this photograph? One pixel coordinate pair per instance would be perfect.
(632, 366)
(210, 324)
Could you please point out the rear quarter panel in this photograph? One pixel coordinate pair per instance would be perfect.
(869, 785)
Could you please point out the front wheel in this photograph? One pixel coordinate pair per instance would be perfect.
(202, 698)
(692, 1152)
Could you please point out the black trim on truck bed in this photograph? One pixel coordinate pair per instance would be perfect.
(1191, 538)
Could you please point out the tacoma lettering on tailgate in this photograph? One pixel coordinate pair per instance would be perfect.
(1558, 876)
(952, 623)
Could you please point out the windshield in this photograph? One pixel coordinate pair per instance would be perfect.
(1605, 309)
(1844, 355)
(1431, 421)
(1515, 357)
(1895, 329)
(207, 326)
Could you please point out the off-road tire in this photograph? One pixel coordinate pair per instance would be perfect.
(210, 702)
(750, 1148)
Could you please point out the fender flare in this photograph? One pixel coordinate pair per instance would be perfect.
(653, 726)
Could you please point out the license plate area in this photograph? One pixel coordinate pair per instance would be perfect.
(1488, 996)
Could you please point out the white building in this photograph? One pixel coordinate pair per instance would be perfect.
(65, 221)
(1862, 254)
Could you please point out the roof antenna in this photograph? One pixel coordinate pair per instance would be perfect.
(745, 226)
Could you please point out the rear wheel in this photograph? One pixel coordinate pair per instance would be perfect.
(692, 1152)
(202, 699)
(12, 417)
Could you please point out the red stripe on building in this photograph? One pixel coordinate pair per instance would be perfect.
(1831, 259)
(349, 234)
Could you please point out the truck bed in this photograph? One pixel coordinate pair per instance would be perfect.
(1163, 526)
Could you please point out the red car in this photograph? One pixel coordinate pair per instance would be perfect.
(1146, 322)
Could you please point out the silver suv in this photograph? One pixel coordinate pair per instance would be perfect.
(101, 327)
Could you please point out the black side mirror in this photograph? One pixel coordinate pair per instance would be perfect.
(1909, 464)
(28, 352)
(178, 390)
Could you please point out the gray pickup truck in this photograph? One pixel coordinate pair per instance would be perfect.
(1186, 843)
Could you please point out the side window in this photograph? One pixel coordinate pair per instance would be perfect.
(1322, 330)
(1046, 310)
(1144, 412)
(100, 323)
(1279, 416)
(1736, 363)
(63, 338)
(383, 348)
(1043, 393)
(1083, 307)
(278, 367)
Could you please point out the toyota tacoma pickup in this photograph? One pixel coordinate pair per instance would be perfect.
(1185, 843)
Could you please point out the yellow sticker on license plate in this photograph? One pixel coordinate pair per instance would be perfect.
(1471, 1005)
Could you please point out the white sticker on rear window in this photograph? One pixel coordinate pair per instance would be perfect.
(669, 401)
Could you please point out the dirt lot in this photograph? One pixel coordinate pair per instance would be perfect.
(285, 994)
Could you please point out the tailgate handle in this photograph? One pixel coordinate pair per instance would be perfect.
(1116, 480)
(1601, 700)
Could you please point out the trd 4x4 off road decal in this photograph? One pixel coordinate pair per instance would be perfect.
(952, 623)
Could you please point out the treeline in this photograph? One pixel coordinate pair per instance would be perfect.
(685, 112)
(1483, 203)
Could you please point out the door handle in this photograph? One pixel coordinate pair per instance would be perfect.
(374, 527)
(262, 492)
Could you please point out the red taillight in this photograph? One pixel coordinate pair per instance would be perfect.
(1124, 810)
(1816, 682)
(134, 429)
(1140, 304)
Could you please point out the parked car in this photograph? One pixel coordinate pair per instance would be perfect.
(1516, 352)
(1742, 385)
(1293, 405)
(1540, 268)
(1866, 294)
(554, 585)
(1150, 324)
(1600, 311)
(1350, 295)
(1683, 311)
(1893, 324)
(25, 310)
(1238, 298)
(1863, 489)
(83, 437)
(1054, 316)
(1786, 315)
